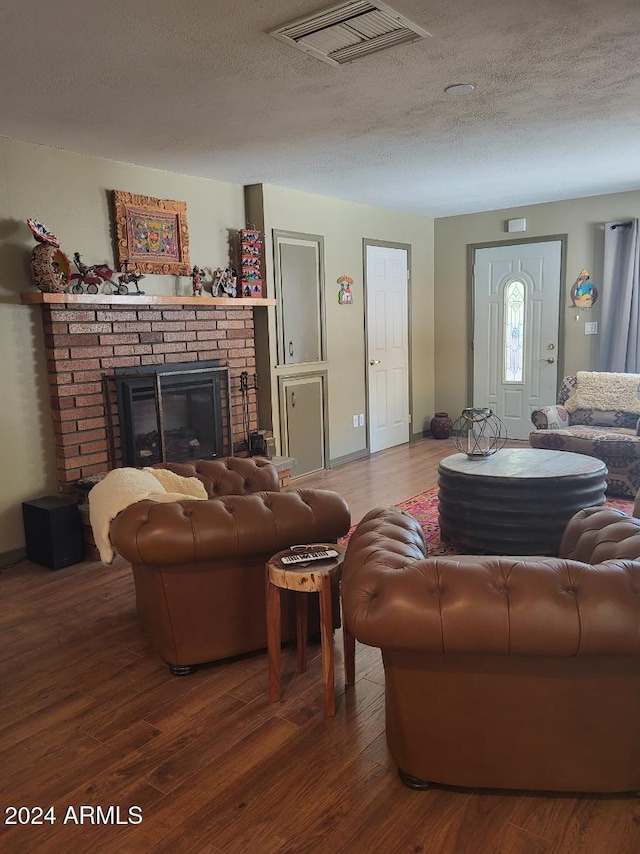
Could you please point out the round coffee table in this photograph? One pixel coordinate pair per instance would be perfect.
(320, 577)
(517, 501)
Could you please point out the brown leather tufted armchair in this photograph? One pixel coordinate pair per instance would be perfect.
(504, 672)
(199, 566)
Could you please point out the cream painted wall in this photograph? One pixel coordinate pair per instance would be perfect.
(343, 225)
(580, 219)
(70, 194)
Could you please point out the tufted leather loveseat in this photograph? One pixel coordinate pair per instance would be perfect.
(504, 672)
(199, 566)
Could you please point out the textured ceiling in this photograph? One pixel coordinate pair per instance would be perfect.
(198, 87)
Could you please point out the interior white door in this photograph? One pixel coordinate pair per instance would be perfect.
(516, 313)
(387, 346)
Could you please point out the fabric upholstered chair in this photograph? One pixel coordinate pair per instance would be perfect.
(610, 435)
(505, 672)
(199, 566)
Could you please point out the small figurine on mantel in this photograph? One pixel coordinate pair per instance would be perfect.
(91, 277)
(129, 277)
(197, 279)
(225, 282)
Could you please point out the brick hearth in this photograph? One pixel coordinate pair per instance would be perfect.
(84, 343)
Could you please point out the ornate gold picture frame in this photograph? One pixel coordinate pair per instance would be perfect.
(151, 234)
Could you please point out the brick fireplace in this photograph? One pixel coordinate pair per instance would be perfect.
(86, 341)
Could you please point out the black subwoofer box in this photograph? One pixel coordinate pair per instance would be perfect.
(53, 531)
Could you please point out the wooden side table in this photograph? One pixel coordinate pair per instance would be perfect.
(316, 577)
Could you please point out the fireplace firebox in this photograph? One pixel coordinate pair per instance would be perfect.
(171, 413)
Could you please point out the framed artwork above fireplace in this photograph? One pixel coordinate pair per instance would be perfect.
(151, 234)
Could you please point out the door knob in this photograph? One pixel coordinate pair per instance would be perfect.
(374, 361)
(550, 360)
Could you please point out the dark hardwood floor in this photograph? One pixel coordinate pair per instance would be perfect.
(90, 717)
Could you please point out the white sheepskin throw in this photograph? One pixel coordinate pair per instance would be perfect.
(173, 482)
(125, 486)
(604, 391)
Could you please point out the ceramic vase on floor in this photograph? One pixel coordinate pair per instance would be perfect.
(441, 425)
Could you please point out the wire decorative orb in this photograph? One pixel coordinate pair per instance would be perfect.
(478, 433)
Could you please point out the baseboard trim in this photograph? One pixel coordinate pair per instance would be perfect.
(417, 437)
(348, 458)
(12, 557)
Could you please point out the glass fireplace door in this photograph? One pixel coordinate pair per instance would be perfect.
(174, 416)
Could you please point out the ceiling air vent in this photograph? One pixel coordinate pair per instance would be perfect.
(349, 31)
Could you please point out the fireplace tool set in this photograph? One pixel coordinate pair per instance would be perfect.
(256, 442)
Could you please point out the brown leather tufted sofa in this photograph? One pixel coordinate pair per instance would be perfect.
(199, 566)
(504, 672)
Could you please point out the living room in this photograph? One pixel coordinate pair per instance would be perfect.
(68, 187)
(71, 194)
(36, 177)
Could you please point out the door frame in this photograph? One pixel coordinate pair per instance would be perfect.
(471, 253)
(386, 244)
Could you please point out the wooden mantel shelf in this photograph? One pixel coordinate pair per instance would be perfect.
(39, 298)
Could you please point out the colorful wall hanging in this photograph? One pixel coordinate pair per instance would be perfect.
(251, 281)
(583, 292)
(345, 297)
(151, 234)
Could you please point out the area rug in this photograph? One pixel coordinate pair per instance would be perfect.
(424, 508)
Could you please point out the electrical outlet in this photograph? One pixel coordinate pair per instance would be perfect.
(361, 419)
(355, 420)
(591, 328)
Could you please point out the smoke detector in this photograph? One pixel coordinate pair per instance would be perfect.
(350, 31)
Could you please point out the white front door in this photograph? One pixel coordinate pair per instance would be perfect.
(516, 307)
(387, 346)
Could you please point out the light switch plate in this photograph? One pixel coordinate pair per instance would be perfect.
(591, 328)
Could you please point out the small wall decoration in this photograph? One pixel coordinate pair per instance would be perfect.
(345, 297)
(152, 234)
(250, 263)
(583, 292)
(50, 266)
